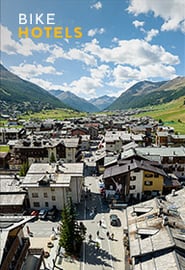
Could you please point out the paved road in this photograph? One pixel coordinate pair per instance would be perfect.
(110, 254)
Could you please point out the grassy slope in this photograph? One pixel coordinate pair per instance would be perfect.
(59, 114)
(172, 114)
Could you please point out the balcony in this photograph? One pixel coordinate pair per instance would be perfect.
(16, 253)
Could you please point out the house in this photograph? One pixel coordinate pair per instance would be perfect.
(4, 159)
(7, 134)
(155, 235)
(15, 247)
(13, 199)
(85, 142)
(72, 149)
(172, 159)
(79, 131)
(51, 185)
(133, 180)
(38, 149)
(177, 140)
(162, 138)
(114, 140)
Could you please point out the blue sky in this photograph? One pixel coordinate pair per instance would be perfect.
(123, 42)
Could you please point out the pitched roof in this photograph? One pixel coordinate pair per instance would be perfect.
(117, 170)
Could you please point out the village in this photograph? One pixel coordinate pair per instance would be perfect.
(110, 166)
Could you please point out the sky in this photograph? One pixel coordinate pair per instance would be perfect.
(93, 48)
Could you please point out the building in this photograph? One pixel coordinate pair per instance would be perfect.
(156, 235)
(4, 160)
(13, 199)
(7, 134)
(51, 185)
(38, 149)
(14, 247)
(133, 180)
(172, 159)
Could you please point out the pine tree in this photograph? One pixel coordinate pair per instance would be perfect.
(72, 233)
(52, 158)
(24, 168)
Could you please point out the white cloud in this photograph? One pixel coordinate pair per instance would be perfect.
(45, 84)
(76, 54)
(124, 86)
(23, 47)
(97, 5)
(132, 52)
(137, 23)
(124, 77)
(171, 11)
(73, 54)
(150, 34)
(93, 32)
(85, 86)
(160, 71)
(29, 71)
(100, 72)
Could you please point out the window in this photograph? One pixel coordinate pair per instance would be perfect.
(148, 183)
(148, 175)
(45, 195)
(156, 175)
(53, 198)
(36, 204)
(46, 204)
(132, 187)
(132, 178)
(52, 189)
(35, 195)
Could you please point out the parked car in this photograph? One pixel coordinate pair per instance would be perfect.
(43, 213)
(35, 213)
(52, 214)
(114, 220)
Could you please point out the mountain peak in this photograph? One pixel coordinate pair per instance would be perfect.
(146, 93)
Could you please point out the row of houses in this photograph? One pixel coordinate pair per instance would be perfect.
(132, 167)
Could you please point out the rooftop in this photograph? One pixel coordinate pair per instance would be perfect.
(157, 234)
(55, 175)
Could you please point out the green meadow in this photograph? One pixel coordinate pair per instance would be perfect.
(172, 114)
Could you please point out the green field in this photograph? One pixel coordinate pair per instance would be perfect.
(4, 148)
(172, 114)
(59, 114)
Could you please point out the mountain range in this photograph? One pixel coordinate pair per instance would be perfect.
(73, 101)
(147, 93)
(102, 102)
(14, 90)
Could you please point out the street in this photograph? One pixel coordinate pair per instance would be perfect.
(110, 252)
(102, 252)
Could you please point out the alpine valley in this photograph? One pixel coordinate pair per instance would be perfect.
(14, 90)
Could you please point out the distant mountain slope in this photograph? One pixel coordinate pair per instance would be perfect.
(74, 101)
(149, 93)
(102, 102)
(14, 90)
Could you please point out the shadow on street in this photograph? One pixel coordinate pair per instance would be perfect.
(98, 256)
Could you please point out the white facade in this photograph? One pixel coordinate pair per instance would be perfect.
(52, 185)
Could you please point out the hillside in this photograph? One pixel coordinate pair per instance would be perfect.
(74, 101)
(149, 93)
(102, 102)
(14, 90)
(171, 113)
